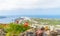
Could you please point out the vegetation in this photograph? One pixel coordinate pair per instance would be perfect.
(47, 21)
(15, 28)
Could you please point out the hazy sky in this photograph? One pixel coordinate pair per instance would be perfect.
(29, 7)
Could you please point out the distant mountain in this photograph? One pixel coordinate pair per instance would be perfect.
(2, 17)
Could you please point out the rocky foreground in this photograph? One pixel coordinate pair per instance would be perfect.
(29, 32)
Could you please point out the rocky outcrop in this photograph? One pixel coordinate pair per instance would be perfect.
(2, 32)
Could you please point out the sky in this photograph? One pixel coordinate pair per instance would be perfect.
(29, 7)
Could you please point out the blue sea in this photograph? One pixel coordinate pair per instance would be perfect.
(9, 19)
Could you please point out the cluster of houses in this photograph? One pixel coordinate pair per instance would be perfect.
(22, 20)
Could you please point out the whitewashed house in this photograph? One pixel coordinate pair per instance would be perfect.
(22, 19)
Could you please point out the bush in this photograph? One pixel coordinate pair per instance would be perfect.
(17, 28)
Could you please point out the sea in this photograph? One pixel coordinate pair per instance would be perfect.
(9, 19)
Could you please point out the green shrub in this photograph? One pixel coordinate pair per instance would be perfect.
(17, 28)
